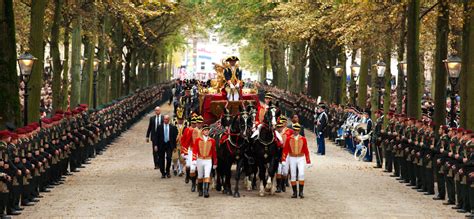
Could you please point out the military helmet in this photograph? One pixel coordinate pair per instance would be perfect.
(296, 126)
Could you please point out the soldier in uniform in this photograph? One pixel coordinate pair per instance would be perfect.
(428, 153)
(441, 154)
(205, 158)
(450, 162)
(282, 172)
(262, 110)
(187, 153)
(296, 152)
(377, 138)
(321, 123)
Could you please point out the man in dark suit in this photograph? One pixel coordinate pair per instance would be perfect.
(167, 134)
(155, 121)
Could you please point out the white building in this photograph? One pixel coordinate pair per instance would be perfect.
(201, 53)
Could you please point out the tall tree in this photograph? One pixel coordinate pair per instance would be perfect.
(413, 54)
(469, 63)
(277, 60)
(363, 76)
(76, 44)
(297, 66)
(442, 30)
(38, 8)
(466, 53)
(55, 54)
(401, 86)
(9, 99)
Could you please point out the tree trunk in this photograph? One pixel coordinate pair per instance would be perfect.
(387, 80)
(353, 85)
(413, 54)
(76, 61)
(55, 54)
(38, 8)
(363, 75)
(466, 53)
(314, 75)
(469, 63)
(65, 79)
(277, 60)
(342, 81)
(127, 85)
(116, 71)
(263, 73)
(87, 77)
(442, 31)
(102, 74)
(297, 66)
(401, 86)
(9, 99)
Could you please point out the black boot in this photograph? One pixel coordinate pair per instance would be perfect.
(282, 184)
(301, 191)
(278, 185)
(206, 190)
(193, 185)
(186, 180)
(295, 192)
(200, 188)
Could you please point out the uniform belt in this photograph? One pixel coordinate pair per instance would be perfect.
(296, 155)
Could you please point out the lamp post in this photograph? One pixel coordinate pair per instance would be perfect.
(380, 66)
(26, 62)
(453, 66)
(338, 72)
(96, 71)
(355, 69)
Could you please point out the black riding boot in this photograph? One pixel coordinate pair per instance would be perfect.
(301, 191)
(278, 185)
(295, 192)
(282, 184)
(206, 190)
(193, 184)
(186, 180)
(200, 188)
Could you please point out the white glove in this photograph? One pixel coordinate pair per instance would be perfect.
(214, 167)
(232, 86)
(283, 163)
(309, 165)
(237, 85)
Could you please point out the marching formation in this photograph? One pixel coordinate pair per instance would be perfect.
(257, 140)
(415, 154)
(37, 157)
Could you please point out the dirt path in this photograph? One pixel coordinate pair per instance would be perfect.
(123, 183)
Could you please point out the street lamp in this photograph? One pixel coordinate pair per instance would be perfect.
(355, 69)
(26, 62)
(380, 66)
(338, 72)
(96, 70)
(453, 66)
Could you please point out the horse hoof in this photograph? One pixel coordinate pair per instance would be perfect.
(218, 188)
(236, 195)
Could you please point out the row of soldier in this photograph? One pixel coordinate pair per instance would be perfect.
(37, 157)
(419, 153)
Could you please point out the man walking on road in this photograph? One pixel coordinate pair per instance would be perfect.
(155, 121)
(167, 134)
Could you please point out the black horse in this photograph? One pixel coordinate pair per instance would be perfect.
(216, 132)
(266, 151)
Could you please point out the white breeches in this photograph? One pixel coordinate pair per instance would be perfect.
(297, 164)
(283, 169)
(189, 161)
(204, 168)
(233, 95)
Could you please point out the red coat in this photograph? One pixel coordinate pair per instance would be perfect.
(186, 140)
(205, 150)
(296, 148)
